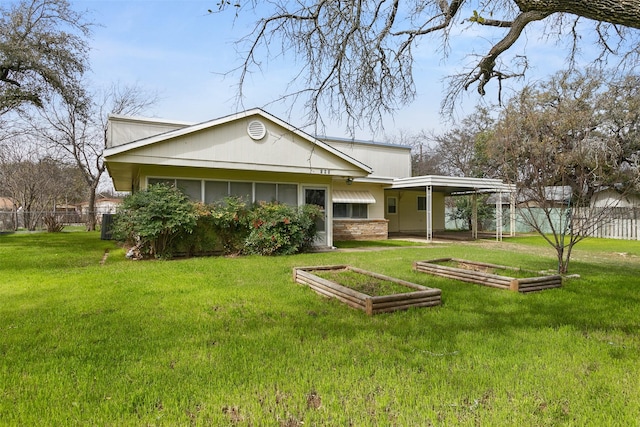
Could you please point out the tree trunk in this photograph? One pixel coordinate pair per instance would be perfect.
(619, 12)
(91, 209)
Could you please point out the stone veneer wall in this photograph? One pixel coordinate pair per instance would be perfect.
(360, 229)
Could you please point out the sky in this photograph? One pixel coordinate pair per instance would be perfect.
(181, 52)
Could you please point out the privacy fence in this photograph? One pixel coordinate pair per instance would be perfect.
(36, 220)
(613, 223)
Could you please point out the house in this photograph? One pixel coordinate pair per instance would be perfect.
(8, 214)
(103, 205)
(364, 189)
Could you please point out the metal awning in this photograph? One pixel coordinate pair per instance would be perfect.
(345, 196)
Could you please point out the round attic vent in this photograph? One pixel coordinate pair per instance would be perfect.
(256, 130)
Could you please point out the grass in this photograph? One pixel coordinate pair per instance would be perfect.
(233, 341)
(365, 284)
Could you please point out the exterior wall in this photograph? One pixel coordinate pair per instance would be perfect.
(122, 130)
(360, 229)
(375, 211)
(228, 146)
(386, 160)
(408, 219)
(609, 198)
(374, 227)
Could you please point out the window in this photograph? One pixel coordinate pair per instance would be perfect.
(216, 191)
(266, 192)
(392, 205)
(422, 203)
(288, 194)
(350, 210)
(243, 190)
(190, 187)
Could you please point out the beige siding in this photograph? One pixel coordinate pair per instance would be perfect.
(408, 219)
(122, 130)
(386, 160)
(229, 147)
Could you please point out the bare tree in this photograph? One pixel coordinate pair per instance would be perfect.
(555, 144)
(43, 48)
(34, 180)
(78, 127)
(357, 57)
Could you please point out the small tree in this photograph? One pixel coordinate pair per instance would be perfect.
(152, 219)
(557, 147)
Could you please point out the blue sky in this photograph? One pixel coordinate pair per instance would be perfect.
(177, 49)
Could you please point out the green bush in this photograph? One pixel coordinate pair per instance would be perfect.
(160, 222)
(280, 229)
(204, 239)
(229, 220)
(152, 220)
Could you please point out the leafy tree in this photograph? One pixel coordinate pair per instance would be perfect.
(43, 48)
(357, 57)
(556, 144)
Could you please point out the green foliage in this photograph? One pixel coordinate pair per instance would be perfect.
(278, 229)
(463, 210)
(152, 219)
(231, 227)
(229, 219)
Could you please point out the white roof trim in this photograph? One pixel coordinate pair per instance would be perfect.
(346, 196)
(119, 149)
(454, 182)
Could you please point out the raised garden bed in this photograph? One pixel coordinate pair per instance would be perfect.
(496, 276)
(414, 296)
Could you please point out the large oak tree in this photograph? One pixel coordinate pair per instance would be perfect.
(43, 49)
(356, 57)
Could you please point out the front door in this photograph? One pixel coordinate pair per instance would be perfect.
(318, 196)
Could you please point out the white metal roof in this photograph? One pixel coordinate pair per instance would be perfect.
(453, 184)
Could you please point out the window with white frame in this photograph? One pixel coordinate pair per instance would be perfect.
(216, 191)
(392, 205)
(350, 210)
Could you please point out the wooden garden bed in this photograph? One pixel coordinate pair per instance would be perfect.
(417, 295)
(496, 276)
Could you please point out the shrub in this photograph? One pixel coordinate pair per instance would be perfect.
(154, 218)
(229, 220)
(280, 229)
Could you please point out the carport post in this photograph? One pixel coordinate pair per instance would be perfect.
(499, 217)
(429, 195)
(474, 216)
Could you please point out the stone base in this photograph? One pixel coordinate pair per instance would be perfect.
(360, 229)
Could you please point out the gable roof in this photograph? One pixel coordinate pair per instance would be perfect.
(113, 151)
(226, 143)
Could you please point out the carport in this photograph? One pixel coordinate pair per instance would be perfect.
(457, 186)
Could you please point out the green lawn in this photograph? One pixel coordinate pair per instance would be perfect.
(233, 341)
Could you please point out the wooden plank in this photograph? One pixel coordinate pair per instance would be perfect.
(404, 303)
(330, 290)
(539, 288)
(332, 285)
(540, 279)
(433, 292)
(398, 308)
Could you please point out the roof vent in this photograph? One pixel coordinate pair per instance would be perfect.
(256, 130)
